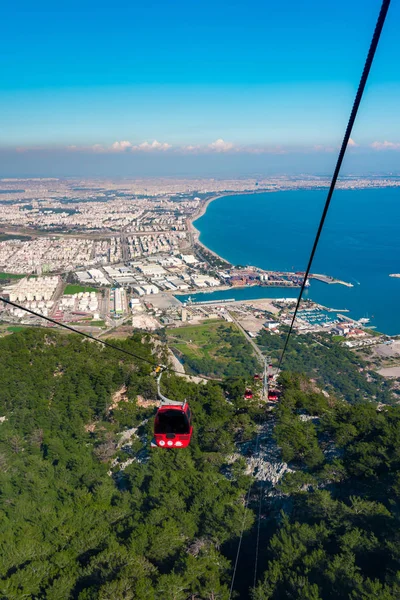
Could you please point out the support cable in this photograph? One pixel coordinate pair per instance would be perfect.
(353, 115)
(243, 525)
(93, 338)
(108, 344)
(258, 533)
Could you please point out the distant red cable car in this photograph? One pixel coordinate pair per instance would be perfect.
(270, 374)
(173, 422)
(248, 395)
(273, 396)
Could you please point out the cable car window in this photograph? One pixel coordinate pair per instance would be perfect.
(172, 421)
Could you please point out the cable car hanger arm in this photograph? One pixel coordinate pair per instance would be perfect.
(164, 400)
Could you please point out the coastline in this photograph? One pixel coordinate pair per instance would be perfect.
(194, 233)
(357, 304)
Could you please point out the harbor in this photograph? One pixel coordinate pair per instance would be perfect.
(317, 316)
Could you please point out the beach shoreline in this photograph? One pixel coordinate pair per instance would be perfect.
(194, 233)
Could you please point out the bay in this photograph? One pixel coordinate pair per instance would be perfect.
(360, 244)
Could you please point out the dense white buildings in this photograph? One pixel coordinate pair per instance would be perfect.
(34, 293)
(85, 302)
(152, 270)
(202, 281)
(93, 276)
(189, 259)
(32, 289)
(46, 254)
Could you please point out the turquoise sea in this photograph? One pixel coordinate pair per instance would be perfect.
(360, 244)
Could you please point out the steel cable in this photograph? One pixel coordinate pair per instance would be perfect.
(364, 78)
(109, 345)
(243, 524)
(94, 339)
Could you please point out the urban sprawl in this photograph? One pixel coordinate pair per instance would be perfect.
(106, 254)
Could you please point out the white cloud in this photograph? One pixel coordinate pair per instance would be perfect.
(149, 147)
(220, 146)
(385, 145)
(121, 146)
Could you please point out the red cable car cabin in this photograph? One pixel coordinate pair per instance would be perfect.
(173, 426)
(248, 395)
(273, 396)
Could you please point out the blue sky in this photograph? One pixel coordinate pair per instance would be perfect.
(190, 77)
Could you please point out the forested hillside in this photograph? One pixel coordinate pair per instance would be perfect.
(336, 368)
(71, 530)
(338, 538)
(89, 511)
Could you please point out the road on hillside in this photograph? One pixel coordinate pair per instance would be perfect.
(256, 349)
